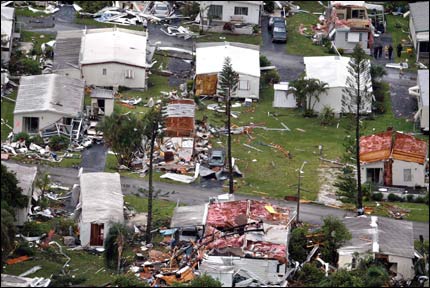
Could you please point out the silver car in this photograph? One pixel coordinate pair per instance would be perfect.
(161, 9)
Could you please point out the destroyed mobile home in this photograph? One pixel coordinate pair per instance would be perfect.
(225, 240)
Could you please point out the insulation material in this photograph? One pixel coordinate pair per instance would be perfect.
(270, 250)
(223, 214)
(206, 84)
(409, 148)
(375, 147)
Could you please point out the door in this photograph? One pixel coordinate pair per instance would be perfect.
(97, 234)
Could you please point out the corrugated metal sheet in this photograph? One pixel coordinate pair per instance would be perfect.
(179, 119)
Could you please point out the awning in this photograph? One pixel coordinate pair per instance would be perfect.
(354, 37)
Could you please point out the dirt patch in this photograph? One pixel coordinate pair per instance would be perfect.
(327, 193)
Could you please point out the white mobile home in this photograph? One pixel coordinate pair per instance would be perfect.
(100, 204)
(421, 91)
(232, 11)
(45, 99)
(114, 57)
(419, 29)
(26, 177)
(245, 60)
(333, 70)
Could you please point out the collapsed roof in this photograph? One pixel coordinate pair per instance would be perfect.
(179, 118)
(376, 147)
(410, 149)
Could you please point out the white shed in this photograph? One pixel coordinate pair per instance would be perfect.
(100, 204)
(334, 71)
(245, 60)
(45, 99)
(421, 91)
(283, 99)
(102, 100)
(232, 11)
(121, 60)
(26, 177)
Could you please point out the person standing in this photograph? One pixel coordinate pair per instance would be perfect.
(390, 51)
(399, 50)
(379, 50)
(375, 51)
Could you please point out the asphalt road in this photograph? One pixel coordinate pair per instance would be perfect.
(94, 158)
(194, 195)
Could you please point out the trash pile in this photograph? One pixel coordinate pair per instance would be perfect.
(247, 239)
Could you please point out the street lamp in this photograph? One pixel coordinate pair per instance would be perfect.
(300, 171)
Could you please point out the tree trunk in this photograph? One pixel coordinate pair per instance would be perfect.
(120, 248)
(230, 168)
(150, 188)
(357, 144)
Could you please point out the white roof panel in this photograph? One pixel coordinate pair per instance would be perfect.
(245, 58)
(114, 45)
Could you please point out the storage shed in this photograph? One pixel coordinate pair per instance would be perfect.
(283, 99)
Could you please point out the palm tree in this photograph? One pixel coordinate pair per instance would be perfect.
(228, 81)
(307, 93)
(115, 243)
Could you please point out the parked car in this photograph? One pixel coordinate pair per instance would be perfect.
(217, 158)
(161, 9)
(279, 33)
(274, 20)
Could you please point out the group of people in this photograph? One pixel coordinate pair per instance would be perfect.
(377, 51)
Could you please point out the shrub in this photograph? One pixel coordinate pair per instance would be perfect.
(22, 135)
(23, 249)
(190, 84)
(269, 77)
(128, 280)
(62, 226)
(394, 198)
(269, 6)
(66, 280)
(420, 199)
(410, 198)
(190, 9)
(341, 51)
(34, 229)
(38, 140)
(378, 196)
(327, 117)
(264, 61)
(59, 142)
(228, 27)
(255, 29)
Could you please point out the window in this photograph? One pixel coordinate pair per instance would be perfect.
(31, 124)
(215, 11)
(240, 10)
(104, 71)
(358, 14)
(243, 85)
(129, 74)
(407, 175)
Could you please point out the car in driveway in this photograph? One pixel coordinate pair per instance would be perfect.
(217, 158)
(279, 33)
(274, 20)
(161, 9)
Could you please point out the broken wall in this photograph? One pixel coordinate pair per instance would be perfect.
(45, 119)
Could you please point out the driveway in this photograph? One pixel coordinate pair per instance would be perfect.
(289, 66)
(94, 158)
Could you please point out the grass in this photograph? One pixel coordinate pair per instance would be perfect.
(7, 108)
(162, 209)
(94, 23)
(395, 25)
(418, 211)
(220, 37)
(37, 39)
(298, 44)
(28, 13)
(82, 264)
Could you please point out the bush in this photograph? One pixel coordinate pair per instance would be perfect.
(269, 6)
(190, 84)
(62, 226)
(327, 117)
(59, 142)
(228, 27)
(22, 135)
(190, 9)
(264, 61)
(378, 196)
(34, 229)
(23, 249)
(66, 280)
(128, 280)
(420, 199)
(394, 198)
(270, 77)
(410, 198)
(38, 140)
(255, 29)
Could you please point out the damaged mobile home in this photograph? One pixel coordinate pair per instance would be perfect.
(100, 205)
(419, 29)
(393, 159)
(375, 236)
(7, 32)
(44, 100)
(245, 60)
(122, 60)
(247, 238)
(421, 92)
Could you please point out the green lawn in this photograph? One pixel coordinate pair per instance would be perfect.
(395, 25)
(82, 264)
(28, 13)
(37, 39)
(7, 108)
(162, 209)
(298, 44)
(219, 37)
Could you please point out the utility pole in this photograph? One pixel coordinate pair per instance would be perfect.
(298, 191)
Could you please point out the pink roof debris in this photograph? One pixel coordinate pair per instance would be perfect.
(408, 148)
(376, 147)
